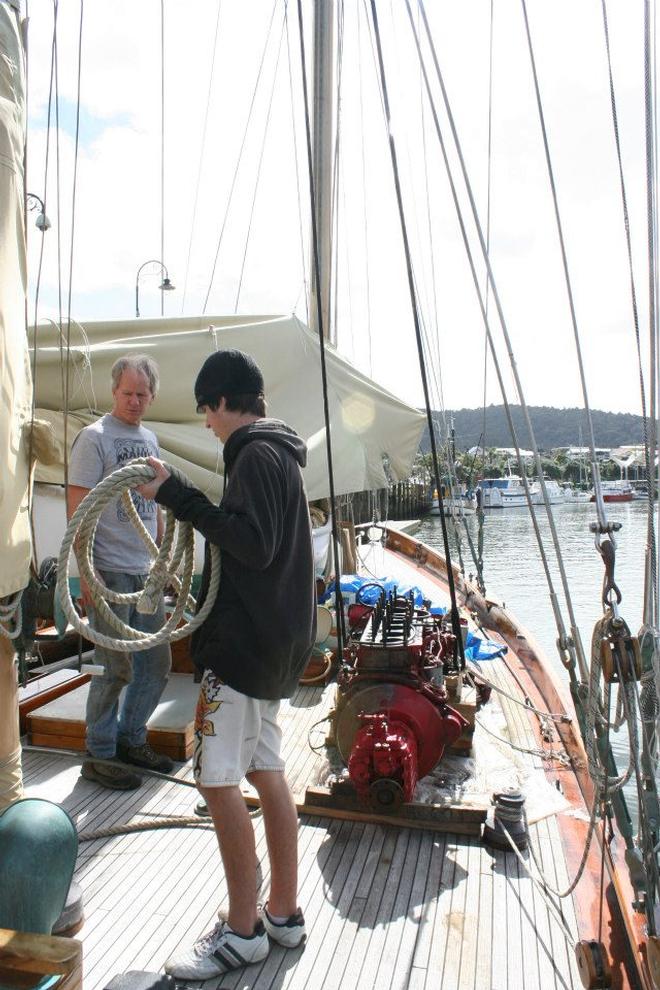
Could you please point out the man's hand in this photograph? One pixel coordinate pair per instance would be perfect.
(151, 487)
(85, 596)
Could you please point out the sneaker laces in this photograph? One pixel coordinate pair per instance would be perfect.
(205, 943)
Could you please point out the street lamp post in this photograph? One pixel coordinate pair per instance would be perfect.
(165, 285)
(42, 222)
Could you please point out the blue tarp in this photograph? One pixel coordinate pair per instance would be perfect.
(476, 648)
(351, 584)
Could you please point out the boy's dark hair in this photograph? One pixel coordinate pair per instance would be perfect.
(235, 376)
(247, 402)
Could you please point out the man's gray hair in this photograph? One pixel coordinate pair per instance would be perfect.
(136, 362)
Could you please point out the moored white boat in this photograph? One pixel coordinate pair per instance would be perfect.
(506, 493)
(460, 502)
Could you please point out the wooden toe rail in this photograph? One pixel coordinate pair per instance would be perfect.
(25, 958)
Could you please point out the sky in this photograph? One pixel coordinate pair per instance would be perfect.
(235, 182)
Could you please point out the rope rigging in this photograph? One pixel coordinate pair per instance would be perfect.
(570, 647)
(341, 632)
(201, 156)
(418, 336)
(294, 131)
(73, 228)
(604, 531)
(239, 159)
(651, 564)
(261, 158)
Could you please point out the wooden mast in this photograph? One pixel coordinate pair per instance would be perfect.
(322, 138)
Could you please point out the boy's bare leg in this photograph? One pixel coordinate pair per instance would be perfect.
(233, 828)
(281, 824)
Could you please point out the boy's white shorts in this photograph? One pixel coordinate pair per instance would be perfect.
(234, 735)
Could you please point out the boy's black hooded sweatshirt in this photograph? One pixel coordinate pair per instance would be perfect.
(259, 634)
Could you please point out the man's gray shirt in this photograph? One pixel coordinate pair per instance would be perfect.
(97, 451)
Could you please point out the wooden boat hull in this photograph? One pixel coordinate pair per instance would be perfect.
(624, 931)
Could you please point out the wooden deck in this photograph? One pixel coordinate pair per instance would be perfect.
(385, 907)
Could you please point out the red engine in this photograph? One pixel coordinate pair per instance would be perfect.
(392, 721)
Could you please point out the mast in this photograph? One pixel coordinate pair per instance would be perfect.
(322, 135)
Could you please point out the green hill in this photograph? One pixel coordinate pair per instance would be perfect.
(552, 428)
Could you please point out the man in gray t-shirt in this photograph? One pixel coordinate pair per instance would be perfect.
(122, 562)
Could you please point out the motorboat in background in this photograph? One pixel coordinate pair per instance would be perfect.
(556, 492)
(616, 491)
(506, 493)
(460, 501)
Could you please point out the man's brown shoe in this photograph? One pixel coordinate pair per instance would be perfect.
(108, 775)
(144, 756)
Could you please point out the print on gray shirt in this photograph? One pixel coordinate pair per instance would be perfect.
(97, 451)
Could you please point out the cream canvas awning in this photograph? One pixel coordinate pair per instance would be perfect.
(375, 436)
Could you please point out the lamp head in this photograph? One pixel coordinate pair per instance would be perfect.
(166, 285)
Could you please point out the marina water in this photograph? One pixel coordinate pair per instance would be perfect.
(514, 575)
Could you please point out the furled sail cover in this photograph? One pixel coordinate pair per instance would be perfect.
(15, 380)
(374, 435)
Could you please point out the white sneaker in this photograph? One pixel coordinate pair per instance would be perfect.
(217, 952)
(290, 933)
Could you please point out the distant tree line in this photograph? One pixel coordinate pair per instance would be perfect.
(490, 463)
(552, 428)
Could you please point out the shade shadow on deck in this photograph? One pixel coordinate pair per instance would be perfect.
(385, 907)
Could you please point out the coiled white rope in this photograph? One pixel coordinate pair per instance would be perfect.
(10, 612)
(168, 557)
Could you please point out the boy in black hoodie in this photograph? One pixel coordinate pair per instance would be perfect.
(252, 649)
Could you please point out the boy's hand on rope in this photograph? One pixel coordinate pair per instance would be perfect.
(85, 595)
(162, 474)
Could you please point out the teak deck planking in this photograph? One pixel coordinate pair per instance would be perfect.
(385, 906)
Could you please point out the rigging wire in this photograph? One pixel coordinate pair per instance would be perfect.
(305, 288)
(162, 144)
(649, 703)
(651, 545)
(456, 627)
(481, 515)
(73, 230)
(337, 185)
(341, 638)
(600, 505)
(240, 156)
(260, 163)
(64, 361)
(652, 240)
(655, 327)
(436, 388)
(570, 648)
(364, 185)
(431, 339)
(347, 252)
(201, 155)
(434, 288)
(41, 252)
(435, 370)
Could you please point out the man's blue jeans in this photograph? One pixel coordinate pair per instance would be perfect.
(143, 674)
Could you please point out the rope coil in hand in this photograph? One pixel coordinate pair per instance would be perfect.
(10, 613)
(177, 545)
